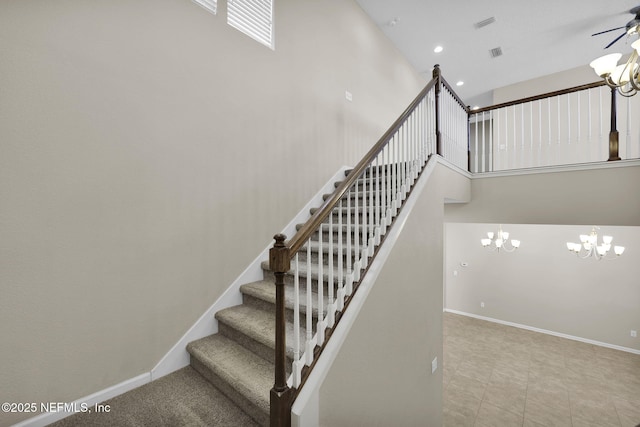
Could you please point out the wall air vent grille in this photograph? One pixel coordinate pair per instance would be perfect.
(485, 22)
(495, 52)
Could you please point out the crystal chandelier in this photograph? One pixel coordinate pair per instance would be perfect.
(589, 246)
(500, 241)
(624, 77)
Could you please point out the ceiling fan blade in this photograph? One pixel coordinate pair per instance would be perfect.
(602, 32)
(618, 38)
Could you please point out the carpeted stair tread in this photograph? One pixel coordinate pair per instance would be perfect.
(182, 398)
(247, 373)
(265, 290)
(258, 325)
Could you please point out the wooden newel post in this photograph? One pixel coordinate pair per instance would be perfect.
(436, 75)
(613, 135)
(280, 397)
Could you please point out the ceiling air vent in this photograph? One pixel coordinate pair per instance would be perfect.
(485, 22)
(495, 52)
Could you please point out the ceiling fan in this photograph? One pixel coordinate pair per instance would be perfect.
(632, 27)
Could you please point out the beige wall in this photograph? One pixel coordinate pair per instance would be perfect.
(148, 152)
(600, 196)
(544, 286)
(382, 374)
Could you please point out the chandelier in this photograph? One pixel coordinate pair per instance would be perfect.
(500, 241)
(624, 77)
(589, 246)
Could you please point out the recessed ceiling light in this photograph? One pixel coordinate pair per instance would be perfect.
(438, 49)
(475, 107)
(460, 83)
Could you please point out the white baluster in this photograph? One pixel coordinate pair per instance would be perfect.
(600, 110)
(348, 286)
(310, 345)
(320, 326)
(484, 148)
(356, 237)
(522, 136)
(297, 363)
(371, 217)
(530, 133)
(578, 116)
(539, 132)
(330, 302)
(377, 205)
(569, 118)
(590, 134)
(490, 142)
(628, 142)
(340, 295)
(364, 257)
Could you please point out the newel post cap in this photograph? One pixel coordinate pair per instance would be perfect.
(279, 258)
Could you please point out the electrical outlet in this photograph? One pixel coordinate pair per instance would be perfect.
(634, 334)
(434, 364)
(481, 305)
(348, 95)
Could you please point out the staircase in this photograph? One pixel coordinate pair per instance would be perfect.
(231, 376)
(239, 359)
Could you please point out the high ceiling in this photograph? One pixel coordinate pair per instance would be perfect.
(537, 37)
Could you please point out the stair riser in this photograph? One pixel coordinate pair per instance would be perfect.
(370, 216)
(385, 167)
(255, 412)
(266, 352)
(302, 258)
(267, 306)
(351, 196)
(325, 236)
(289, 281)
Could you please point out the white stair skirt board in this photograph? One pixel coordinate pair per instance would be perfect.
(178, 357)
(305, 411)
(87, 401)
(544, 331)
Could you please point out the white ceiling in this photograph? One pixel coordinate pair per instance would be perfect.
(537, 38)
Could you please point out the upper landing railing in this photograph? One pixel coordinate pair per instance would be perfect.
(329, 255)
(571, 126)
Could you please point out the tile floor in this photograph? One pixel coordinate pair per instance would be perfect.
(501, 376)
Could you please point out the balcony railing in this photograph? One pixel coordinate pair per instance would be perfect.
(571, 126)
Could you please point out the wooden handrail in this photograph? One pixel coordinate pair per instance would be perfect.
(299, 239)
(539, 97)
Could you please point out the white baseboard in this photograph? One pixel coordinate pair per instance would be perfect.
(178, 357)
(544, 331)
(87, 401)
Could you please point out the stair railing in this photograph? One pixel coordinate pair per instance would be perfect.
(374, 191)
